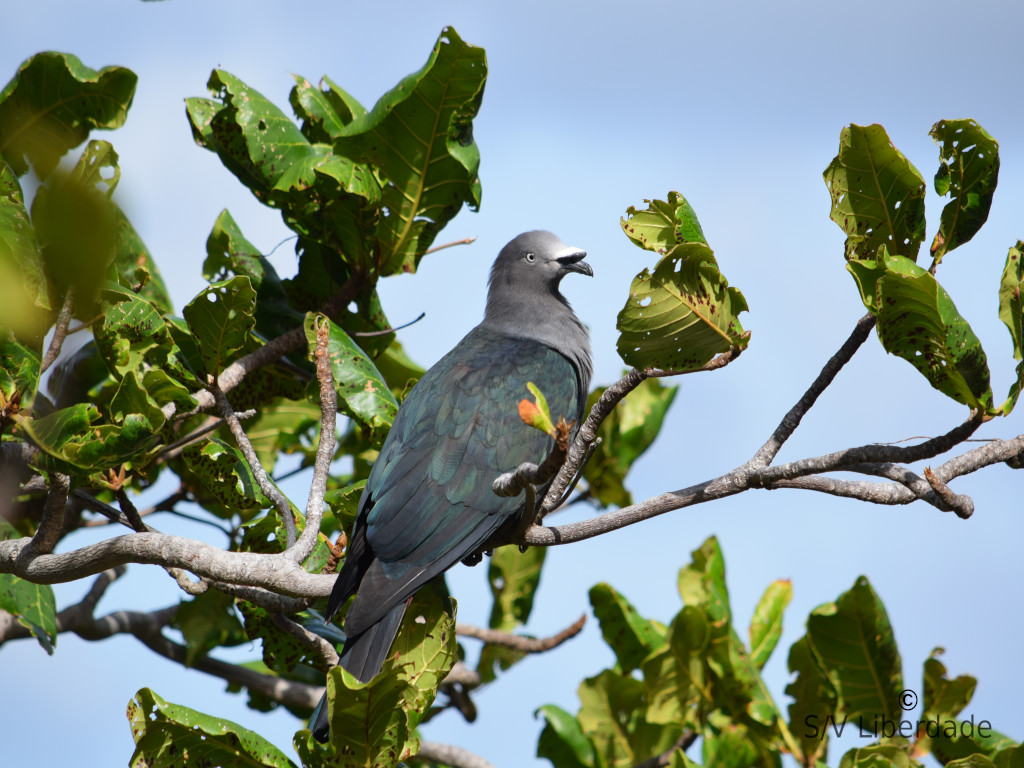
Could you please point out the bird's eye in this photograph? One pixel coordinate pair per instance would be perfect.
(530, 257)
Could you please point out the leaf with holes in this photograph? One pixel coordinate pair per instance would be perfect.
(663, 225)
(206, 622)
(877, 194)
(168, 735)
(681, 315)
(53, 102)
(918, 321)
(228, 485)
(968, 173)
(230, 254)
(852, 639)
(420, 137)
(221, 318)
(373, 723)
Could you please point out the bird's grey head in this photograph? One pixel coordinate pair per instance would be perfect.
(536, 262)
(523, 297)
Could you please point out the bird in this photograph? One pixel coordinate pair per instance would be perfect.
(428, 502)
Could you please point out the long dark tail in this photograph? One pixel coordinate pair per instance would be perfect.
(363, 656)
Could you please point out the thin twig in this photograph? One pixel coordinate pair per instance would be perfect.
(521, 642)
(386, 331)
(463, 241)
(259, 474)
(767, 452)
(60, 332)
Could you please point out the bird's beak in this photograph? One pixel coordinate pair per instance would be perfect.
(572, 260)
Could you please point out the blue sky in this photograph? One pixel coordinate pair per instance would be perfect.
(590, 108)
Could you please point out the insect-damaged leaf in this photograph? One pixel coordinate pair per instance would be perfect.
(877, 194)
(683, 313)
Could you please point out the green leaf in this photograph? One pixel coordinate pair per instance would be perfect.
(877, 194)
(663, 224)
(1012, 315)
(324, 112)
(33, 605)
(682, 314)
(322, 195)
(562, 740)
(24, 298)
(284, 426)
(281, 652)
(372, 723)
(632, 637)
(625, 434)
(344, 504)
(135, 266)
(513, 577)
(918, 321)
(853, 640)
(226, 478)
(208, 621)
(945, 698)
(132, 397)
(959, 739)
(766, 625)
(877, 756)
(419, 134)
(19, 368)
(730, 744)
(363, 394)
(814, 699)
(229, 254)
(168, 735)
(676, 678)
(612, 717)
(221, 318)
(53, 102)
(968, 173)
(77, 229)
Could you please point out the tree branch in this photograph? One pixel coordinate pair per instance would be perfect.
(767, 452)
(259, 474)
(325, 449)
(451, 755)
(521, 642)
(60, 332)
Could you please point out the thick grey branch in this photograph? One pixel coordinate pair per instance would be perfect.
(52, 524)
(272, 572)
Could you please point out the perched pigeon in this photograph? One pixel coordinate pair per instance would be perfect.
(428, 501)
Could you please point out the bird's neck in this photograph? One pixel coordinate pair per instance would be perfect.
(548, 319)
